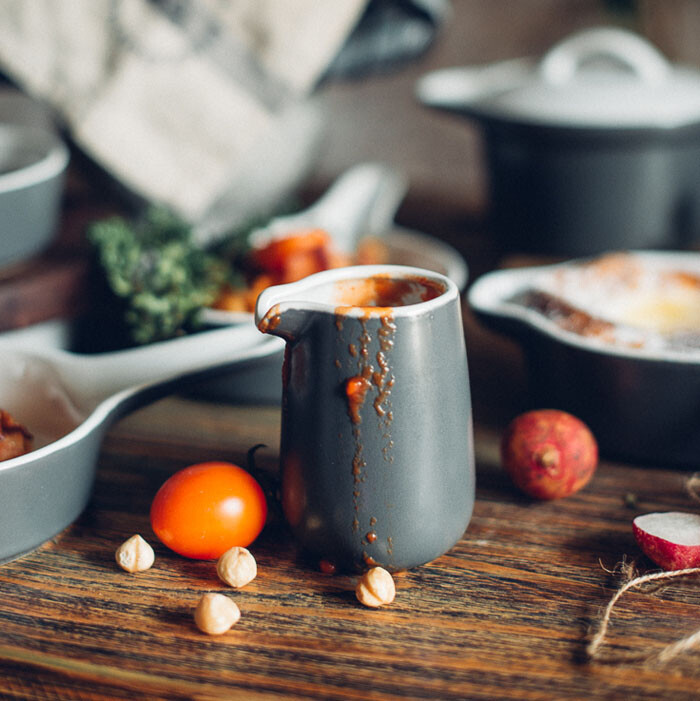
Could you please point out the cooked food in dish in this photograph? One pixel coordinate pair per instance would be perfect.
(15, 439)
(621, 299)
(290, 258)
(636, 385)
(157, 279)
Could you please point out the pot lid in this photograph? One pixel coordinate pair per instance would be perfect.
(603, 77)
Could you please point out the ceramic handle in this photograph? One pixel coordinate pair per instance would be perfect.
(564, 60)
(94, 378)
(462, 87)
(360, 202)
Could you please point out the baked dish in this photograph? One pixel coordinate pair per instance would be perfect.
(620, 299)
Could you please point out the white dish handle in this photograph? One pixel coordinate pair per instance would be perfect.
(90, 379)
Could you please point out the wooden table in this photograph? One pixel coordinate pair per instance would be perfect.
(507, 613)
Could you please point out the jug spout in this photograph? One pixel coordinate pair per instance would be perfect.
(281, 311)
(282, 321)
(362, 292)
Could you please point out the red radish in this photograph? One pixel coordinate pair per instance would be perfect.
(548, 453)
(670, 539)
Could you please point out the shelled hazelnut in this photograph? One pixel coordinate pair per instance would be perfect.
(236, 567)
(215, 614)
(375, 588)
(135, 554)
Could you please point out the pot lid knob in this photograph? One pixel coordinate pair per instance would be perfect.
(604, 78)
(563, 61)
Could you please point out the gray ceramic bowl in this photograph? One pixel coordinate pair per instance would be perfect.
(69, 400)
(32, 166)
(642, 403)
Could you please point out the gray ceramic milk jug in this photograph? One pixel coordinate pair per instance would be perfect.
(376, 448)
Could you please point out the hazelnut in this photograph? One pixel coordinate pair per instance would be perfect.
(134, 554)
(216, 613)
(375, 588)
(236, 567)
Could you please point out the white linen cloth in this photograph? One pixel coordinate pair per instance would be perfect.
(201, 105)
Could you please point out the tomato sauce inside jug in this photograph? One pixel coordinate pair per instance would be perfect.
(385, 292)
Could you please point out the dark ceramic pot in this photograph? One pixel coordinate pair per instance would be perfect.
(595, 147)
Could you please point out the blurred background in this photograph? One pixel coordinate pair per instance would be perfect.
(222, 111)
(361, 83)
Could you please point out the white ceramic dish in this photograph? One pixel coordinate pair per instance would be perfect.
(258, 379)
(641, 401)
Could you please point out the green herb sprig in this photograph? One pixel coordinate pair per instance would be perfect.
(156, 272)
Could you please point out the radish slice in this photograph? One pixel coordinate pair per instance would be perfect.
(671, 539)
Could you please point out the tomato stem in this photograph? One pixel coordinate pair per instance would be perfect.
(268, 482)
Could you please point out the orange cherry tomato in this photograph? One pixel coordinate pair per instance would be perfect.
(205, 509)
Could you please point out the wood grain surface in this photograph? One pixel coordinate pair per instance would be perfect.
(505, 614)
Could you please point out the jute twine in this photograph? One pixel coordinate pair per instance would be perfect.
(667, 653)
(650, 582)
